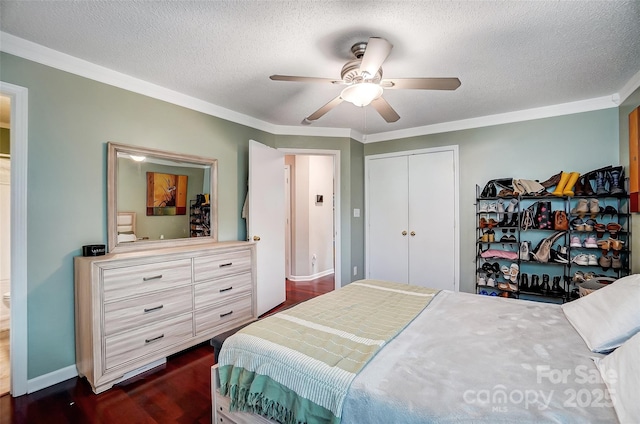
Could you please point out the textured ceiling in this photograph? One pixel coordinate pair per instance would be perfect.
(509, 55)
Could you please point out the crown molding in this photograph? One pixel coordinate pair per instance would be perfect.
(62, 61)
(499, 119)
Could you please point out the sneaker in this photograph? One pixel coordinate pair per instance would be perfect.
(592, 259)
(561, 255)
(605, 262)
(581, 259)
(591, 242)
(525, 251)
(492, 207)
(483, 207)
(616, 262)
(575, 242)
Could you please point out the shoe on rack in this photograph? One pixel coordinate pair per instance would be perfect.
(587, 188)
(491, 236)
(578, 277)
(590, 242)
(545, 288)
(575, 242)
(581, 209)
(599, 228)
(616, 181)
(568, 189)
(500, 211)
(524, 282)
(601, 177)
(482, 279)
(514, 269)
(492, 207)
(594, 208)
(535, 284)
(552, 181)
(564, 179)
(577, 224)
(581, 259)
(592, 259)
(589, 224)
(525, 250)
(610, 210)
(605, 262)
(484, 207)
(616, 262)
(491, 282)
(561, 255)
(605, 245)
(556, 289)
(613, 228)
(615, 244)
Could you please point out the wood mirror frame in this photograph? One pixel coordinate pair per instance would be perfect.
(164, 161)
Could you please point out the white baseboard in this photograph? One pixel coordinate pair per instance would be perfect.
(55, 377)
(310, 277)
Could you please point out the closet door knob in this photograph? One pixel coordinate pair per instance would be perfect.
(404, 233)
(256, 238)
(413, 233)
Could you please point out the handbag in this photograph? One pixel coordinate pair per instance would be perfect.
(560, 221)
(542, 217)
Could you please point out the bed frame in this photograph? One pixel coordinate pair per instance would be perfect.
(220, 406)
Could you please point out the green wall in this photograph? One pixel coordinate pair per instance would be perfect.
(533, 149)
(70, 121)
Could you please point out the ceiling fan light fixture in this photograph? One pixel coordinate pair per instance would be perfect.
(361, 94)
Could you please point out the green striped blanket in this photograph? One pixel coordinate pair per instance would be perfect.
(296, 366)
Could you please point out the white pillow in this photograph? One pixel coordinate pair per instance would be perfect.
(620, 370)
(609, 316)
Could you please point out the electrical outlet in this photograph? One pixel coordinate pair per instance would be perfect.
(355, 270)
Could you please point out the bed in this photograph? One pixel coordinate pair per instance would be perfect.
(462, 358)
(126, 227)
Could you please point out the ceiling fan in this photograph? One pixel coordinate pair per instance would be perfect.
(364, 84)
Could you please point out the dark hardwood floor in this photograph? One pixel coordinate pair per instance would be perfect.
(176, 392)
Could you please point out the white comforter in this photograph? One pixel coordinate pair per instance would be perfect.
(471, 358)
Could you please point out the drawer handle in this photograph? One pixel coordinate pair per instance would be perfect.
(154, 339)
(224, 315)
(223, 265)
(155, 277)
(153, 309)
(227, 289)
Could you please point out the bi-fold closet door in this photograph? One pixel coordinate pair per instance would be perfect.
(411, 214)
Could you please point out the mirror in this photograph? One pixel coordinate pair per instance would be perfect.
(159, 199)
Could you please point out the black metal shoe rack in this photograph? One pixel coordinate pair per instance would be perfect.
(509, 233)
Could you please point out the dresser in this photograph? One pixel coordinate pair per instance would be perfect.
(135, 308)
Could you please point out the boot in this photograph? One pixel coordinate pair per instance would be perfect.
(568, 189)
(616, 181)
(563, 182)
(535, 284)
(601, 190)
(524, 282)
(544, 287)
(579, 188)
(556, 289)
(587, 188)
(552, 181)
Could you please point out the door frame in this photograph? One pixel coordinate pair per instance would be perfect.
(18, 316)
(456, 176)
(337, 260)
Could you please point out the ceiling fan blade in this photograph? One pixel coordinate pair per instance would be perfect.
(324, 109)
(375, 54)
(385, 110)
(303, 79)
(421, 83)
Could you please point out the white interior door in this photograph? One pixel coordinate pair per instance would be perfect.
(387, 219)
(267, 223)
(432, 220)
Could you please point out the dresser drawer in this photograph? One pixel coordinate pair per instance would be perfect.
(126, 314)
(237, 310)
(128, 346)
(220, 265)
(213, 292)
(140, 279)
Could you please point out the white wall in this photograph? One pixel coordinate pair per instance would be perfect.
(312, 223)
